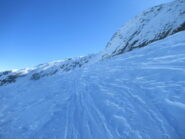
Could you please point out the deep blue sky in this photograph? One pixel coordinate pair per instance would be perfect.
(39, 31)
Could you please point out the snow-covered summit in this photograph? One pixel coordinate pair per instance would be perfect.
(153, 24)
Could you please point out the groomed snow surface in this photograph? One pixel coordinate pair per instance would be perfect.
(137, 95)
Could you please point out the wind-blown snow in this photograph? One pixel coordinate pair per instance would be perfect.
(138, 95)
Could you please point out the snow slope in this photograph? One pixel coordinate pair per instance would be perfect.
(138, 95)
(153, 24)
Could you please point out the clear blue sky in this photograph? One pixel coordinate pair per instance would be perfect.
(39, 31)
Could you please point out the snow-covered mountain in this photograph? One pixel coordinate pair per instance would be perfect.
(153, 24)
(135, 95)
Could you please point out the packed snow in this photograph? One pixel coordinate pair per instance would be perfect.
(138, 95)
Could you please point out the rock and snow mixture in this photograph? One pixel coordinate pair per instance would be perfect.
(153, 24)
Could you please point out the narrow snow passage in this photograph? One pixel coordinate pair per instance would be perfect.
(138, 95)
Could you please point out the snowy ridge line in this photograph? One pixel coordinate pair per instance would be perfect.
(44, 70)
(152, 25)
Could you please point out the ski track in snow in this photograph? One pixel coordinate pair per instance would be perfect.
(138, 95)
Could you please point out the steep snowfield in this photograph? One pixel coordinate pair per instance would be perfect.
(138, 95)
(154, 24)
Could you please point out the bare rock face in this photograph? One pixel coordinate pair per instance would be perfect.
(7, 77)
(153, 24)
